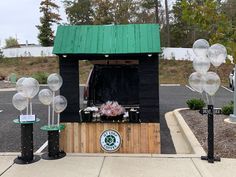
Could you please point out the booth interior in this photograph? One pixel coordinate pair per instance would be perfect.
(122, 91)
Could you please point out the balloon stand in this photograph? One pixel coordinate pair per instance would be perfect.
(27, 145)
(210, 154)
(54, 151)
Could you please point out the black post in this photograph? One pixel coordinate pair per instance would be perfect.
(27, 145)
(53, 143)
(53, 146)
(210, 154)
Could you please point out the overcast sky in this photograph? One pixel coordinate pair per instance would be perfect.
(19, 17)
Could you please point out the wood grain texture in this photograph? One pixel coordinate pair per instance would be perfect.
(135, 138)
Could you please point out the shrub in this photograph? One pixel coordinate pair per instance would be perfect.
(41, 77)
(196, 104)
(228, 109)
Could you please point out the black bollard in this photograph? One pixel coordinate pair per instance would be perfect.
(27, 144)
(210, 154)
(54, 151)
(53, 143)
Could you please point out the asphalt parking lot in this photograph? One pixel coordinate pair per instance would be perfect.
(171, 97)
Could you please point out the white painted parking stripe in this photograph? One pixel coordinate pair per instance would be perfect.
(42, 147)
(190, 88)
(1, 110)
(170, 85)
(227, 89)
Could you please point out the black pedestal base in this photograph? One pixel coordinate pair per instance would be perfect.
(20, 161)
(211, 160)
(60, 155)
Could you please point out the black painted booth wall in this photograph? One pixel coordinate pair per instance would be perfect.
(148, 89)
(69, 71)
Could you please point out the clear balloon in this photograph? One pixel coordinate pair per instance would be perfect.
(211, 83)
(30, 87)
(45, 96)
(196, 81)
(19, 101)
(201, 65)
(217, 54)
(54, 81)
(200, 48)
(19, 85)
(60, 103)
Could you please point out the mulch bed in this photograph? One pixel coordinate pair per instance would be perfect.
(225, 133)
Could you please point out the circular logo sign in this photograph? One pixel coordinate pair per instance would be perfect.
(110, 140)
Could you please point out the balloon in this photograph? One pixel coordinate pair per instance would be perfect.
(200, 48)
(211, 83)
(45, 96)
(19, 101)
(54, 81)
(201, 65)
(30, 87)
(60, 103)
(196, 81)
(19, 84)
(217, 54)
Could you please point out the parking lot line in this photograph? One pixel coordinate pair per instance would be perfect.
(190, 88)
(42, 147)
(227, 89)
(1, 110)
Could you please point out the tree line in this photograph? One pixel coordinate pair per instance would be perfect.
(181, 24)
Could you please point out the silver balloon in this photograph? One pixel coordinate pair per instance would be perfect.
(211, 83)
(45, 96)
(54, 81)
(30, 87)
(200, 48)
(19, 101)
(19, 85)
(217, 54)
(60, 103)
(201, 65)
(196, 81)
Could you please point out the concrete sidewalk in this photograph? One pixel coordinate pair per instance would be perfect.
(99, 165)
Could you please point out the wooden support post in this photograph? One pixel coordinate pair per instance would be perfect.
(69, 71)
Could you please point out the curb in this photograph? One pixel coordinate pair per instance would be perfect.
(7, 89)
(188, 134)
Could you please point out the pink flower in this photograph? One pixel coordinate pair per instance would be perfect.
(111, 109)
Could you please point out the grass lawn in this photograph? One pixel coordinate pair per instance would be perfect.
(171, 71)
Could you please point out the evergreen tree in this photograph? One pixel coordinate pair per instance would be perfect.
(50, 16)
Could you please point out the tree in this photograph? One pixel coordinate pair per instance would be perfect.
(206, 18)
(104, 13)
(79, 11)
(50, 16)
(11, 42)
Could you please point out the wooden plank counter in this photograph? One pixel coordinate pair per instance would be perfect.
(135, 138)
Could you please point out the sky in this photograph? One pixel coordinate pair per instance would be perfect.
(18, 19)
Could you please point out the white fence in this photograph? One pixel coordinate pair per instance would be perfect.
(167, 53)
(27, 52)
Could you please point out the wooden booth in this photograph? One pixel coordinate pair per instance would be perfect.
(130, 55)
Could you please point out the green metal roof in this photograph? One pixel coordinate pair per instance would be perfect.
(108, 39)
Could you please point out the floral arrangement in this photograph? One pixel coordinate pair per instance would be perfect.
(111, 109)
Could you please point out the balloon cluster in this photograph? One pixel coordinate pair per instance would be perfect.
(47, 97)
(27, 89)
(202, 80)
